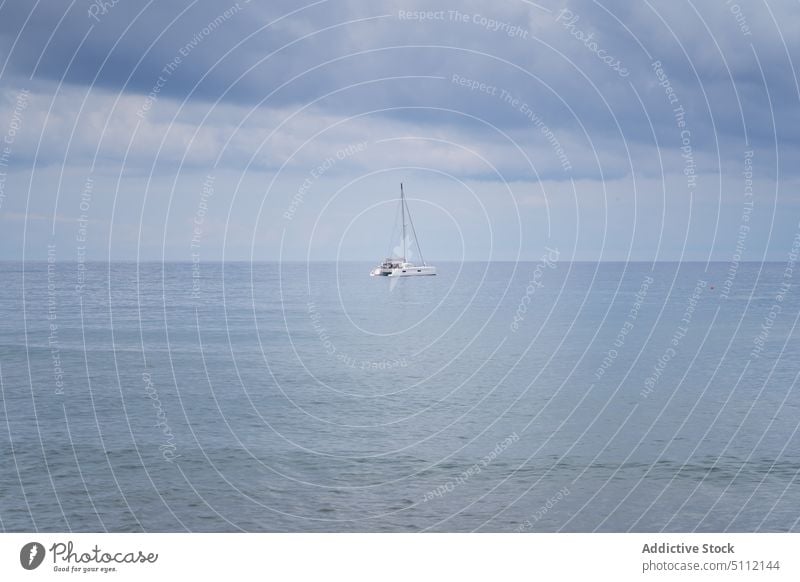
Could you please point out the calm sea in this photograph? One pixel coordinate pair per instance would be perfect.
(540, 396)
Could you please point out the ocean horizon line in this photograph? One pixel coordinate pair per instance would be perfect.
(361, 261)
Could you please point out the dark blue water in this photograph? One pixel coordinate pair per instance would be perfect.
(494, 397)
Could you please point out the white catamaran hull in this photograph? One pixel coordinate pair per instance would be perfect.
(410, 271)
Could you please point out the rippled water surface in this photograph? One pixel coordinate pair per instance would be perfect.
(495, 397)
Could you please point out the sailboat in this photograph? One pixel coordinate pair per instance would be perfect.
(400, 266)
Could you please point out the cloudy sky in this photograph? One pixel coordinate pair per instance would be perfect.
(613, 130)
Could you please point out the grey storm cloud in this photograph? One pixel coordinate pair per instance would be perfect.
(535, 93)
(360, 56)
(248, 56)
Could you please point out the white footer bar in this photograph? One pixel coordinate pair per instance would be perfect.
(400, 557)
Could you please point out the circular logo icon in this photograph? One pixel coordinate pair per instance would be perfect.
(31, 555)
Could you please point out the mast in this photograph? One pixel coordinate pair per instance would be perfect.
(403, 210)
(416, 240)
